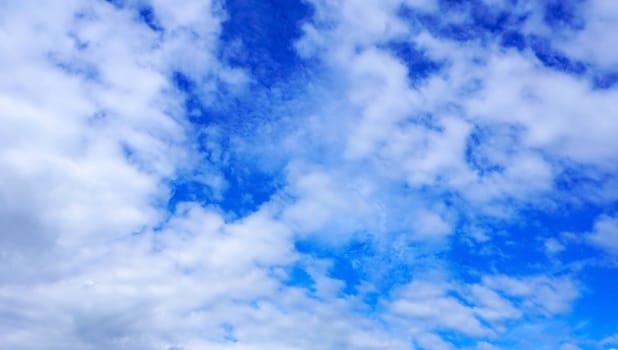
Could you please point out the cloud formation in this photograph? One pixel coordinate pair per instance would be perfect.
(391, 174)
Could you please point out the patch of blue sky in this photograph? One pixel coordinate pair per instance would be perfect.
(482, 23)
(596, 311)
(385, 265)
(564, 14)
(581, 181)
(258, 36)
(148, 16)
(190, 190)
(247, 187)
(514, 39)
(243, 189)
(605, 80)
(345, 265)
(419, 65)
(198, 111)
(516, 247)
(297, 276)
(554, 59)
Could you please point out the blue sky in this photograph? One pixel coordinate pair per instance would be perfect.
(309, 174)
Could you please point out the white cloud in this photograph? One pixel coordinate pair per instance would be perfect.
(83, 151)
(491, 306)
(351, 23)
(553, 246)
(605, 234)
(423, 134)
(426, 304)
(592, 44)
(92, 130)
(539, 294)
(484, 311)
(569, 347)
(560, 114)
(329, 205)
(198, 282)
(428, 224)
(432, 341)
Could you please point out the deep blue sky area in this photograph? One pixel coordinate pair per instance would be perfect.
(309, 174)
(259, 36)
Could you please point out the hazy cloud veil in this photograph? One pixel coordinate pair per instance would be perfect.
(308, 174)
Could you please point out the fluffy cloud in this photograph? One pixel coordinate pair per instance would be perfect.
(383, 164)
(590, 43)
(478, 310)
(605, 234)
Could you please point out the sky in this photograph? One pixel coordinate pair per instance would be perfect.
(309, 174)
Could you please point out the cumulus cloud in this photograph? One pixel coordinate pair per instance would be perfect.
(605, 234)
(198, 282)
(415, 122)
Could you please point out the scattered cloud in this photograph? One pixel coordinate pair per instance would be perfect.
(605, 234)
(172, 181)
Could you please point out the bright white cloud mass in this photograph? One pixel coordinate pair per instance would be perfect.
(308, 174)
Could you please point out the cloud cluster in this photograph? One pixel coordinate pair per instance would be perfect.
(422, 127)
